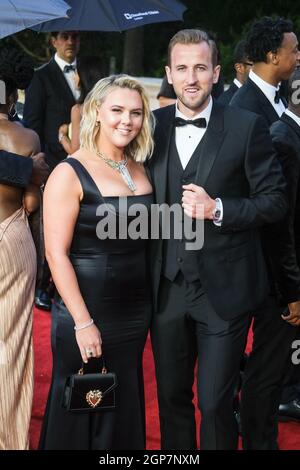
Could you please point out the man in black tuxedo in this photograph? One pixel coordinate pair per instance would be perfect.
(242, 67)
(272, 46)
(220, 160)
(48, 102)
(286, 138)
(52, 93)
(261, 92)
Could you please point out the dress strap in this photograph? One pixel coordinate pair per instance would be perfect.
(89, 186)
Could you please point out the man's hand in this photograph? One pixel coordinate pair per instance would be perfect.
(40, 170)
(294, 316)
(197, 203)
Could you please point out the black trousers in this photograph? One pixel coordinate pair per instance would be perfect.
(187, 328)
(46, 276)
(264, 376)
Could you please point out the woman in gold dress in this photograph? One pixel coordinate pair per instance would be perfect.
(17, 260)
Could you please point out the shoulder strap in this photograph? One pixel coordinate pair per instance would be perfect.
(89, 186)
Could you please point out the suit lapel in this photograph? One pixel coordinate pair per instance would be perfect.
(266, 107)
(163, 135)
(290, 122)
(61, 82)
(233, 88)
(213, 139)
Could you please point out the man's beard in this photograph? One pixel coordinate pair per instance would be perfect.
(194, 105)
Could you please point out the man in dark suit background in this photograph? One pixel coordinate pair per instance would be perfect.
(286, 138)
(242, 67)
(272, 46)
(48, 103)
(52, 93)
(260, 93)
(221, 160)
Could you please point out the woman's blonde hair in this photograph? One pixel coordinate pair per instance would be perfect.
(142, 145)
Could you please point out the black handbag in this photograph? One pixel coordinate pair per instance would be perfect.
(90, 392)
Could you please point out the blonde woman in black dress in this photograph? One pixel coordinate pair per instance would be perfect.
(102, 283)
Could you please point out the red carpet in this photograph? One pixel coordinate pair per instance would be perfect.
(289, 433)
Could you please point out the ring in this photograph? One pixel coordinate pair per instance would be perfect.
(89, 352)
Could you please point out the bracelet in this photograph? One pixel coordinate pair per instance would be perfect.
(85, 325)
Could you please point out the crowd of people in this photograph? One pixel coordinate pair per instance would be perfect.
(231, 163)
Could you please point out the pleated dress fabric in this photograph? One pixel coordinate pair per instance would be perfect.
(17, 284)
(112, 278)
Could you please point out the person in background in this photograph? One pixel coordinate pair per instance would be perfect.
(89, 71)
(166, 94)
(242, 67)
(286, 139)
(272, 46)
(104, 297)
(17, 257)
(48, 103)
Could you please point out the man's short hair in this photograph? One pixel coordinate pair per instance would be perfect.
(266, 35)
(239, 54)
(193, 36)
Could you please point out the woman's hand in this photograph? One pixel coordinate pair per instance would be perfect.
(64, 139)
(89, 342)
(63, 130)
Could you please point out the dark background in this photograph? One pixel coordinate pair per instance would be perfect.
(142, 51)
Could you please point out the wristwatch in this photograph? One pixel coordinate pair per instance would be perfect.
(217, 213)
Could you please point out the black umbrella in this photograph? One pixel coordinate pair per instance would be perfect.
(114, 15)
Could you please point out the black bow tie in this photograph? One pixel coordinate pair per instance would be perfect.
(277, 96)
(200, 122)
(69, 68)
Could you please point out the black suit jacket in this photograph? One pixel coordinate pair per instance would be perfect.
(237, 163)
(250, 97)
(227, 96)
(48, 104)
(286, 263)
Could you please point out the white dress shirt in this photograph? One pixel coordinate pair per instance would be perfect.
(70, 76)
(188, 137)
(237, 83)
(269, 92)
(292, 115)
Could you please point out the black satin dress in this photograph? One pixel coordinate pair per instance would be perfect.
(113, 280)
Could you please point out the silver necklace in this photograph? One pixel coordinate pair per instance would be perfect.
(121, 167)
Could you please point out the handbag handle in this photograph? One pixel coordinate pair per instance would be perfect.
(83, 370)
